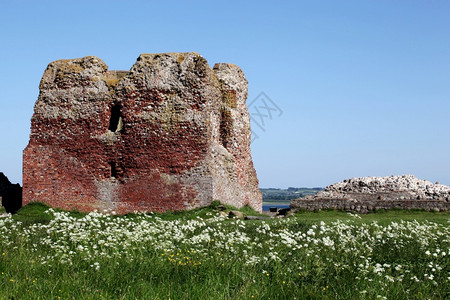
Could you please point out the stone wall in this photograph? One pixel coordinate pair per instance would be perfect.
(170, 134)
(10, 194)
(352, 205)
(374, 193)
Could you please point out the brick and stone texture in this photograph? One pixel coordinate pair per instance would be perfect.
(170, 134)
(364, 194)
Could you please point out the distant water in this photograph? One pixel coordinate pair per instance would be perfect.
(267, 207)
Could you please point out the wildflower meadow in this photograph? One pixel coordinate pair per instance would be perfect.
(204, 255)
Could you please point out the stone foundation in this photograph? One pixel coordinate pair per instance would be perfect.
(352, 205)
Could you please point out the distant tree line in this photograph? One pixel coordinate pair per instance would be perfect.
(281, 197)
(294, 189)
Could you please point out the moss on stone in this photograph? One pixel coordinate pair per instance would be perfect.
(180, 58)
(67, 67)
(229, 98)
(111, 82)
(112, 78)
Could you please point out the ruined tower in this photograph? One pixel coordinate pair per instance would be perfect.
(170, 134)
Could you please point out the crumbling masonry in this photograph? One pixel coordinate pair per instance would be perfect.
(170, 134)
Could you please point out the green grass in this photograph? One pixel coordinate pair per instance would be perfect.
(33, 213)
(200, 255)
(383, 217)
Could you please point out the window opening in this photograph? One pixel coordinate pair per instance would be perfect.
(115, 122)
(113, 169)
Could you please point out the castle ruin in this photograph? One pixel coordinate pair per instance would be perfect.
(170, 134)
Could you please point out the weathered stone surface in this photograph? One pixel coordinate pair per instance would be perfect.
(235, 214)
(10, 194)
(170, 134)
(368, 193)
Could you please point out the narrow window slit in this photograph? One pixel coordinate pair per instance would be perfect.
(116, 169)
(115, 122)
(113, 169)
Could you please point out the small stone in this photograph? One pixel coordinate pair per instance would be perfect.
(236, 214)
(283, 211)
(221, 208)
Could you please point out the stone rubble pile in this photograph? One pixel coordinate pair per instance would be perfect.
(364, 194)
(418, 188)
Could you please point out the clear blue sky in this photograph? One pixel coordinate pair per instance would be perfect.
(364, 86)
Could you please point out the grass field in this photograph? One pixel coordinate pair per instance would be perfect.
(50, 254)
